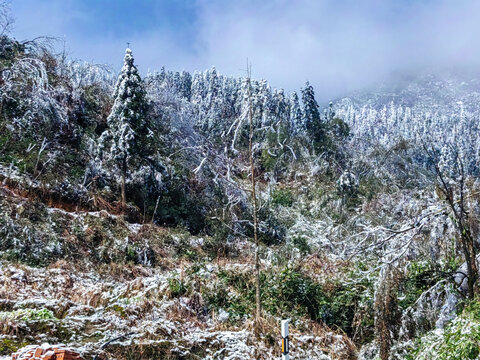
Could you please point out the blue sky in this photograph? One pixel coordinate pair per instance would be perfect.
(338, 45)
(98, 30)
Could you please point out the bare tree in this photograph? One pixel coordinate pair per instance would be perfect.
(386, 311)
(454, 192)
(6, 19)
(258, 302)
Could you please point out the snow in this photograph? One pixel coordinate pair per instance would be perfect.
(403, 222)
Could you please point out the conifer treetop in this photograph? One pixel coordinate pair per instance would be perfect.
(127, 117)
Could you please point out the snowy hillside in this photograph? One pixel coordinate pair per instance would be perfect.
(441, 108)
(184, 215)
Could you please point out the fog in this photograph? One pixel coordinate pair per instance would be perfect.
(339, 46)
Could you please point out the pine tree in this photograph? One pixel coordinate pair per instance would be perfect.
(198, 88)
(186, 85)
(126, 139)
(213, 91)
(296, 117)
(311, 117)
(176, 83)
(264, 103)
(162, 75)
(329, 112)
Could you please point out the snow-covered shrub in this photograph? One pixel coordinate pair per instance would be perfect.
(347, 183)
(459, 340)
(283, 197)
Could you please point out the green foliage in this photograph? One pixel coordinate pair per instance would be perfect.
(460, 340)
(10, 50)
(314, 125)
(94, 112)
(339, 128)
(369, 187)
(177, 287)
(9, 346)
(28, 314)
(282, 197)
(289, 293)
(130, 254)
(41, 314)
(15, 151)
(267, 161)
(301, 243)
(421, 275)
(273, 230)
(234, 302)
(292, 293)
(452, 261)
(120, 310)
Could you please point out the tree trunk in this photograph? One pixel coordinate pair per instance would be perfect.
(460, 213)
(258, 302)
(470, 260)
(387, 315)
(122, 185)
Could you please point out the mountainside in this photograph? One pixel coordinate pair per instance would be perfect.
(127, 213)
(440, 108)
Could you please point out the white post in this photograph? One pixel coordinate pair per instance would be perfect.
(285, 344)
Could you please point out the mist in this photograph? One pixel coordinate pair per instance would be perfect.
(339, 46)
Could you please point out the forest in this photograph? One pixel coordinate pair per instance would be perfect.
(185, 214)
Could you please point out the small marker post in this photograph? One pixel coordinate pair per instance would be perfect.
(285, 344)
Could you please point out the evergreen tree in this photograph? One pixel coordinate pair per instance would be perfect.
(311, 117)
(329, 112)
(162, 75)
(186, 85)
(280, 103)
(264, 103)
(280, 115)
(198, 88)
(230, 91)
(213, 91)
(176, 82)
(296, 116)
(127, 138)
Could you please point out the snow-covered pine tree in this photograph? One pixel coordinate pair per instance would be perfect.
(280, 112)
(264, 103)
(198, 88)
(162, 75)
(186, 85)
(176, 82)
(213, 84)
(231, 91)
(296, 117)
(126, 139)
(329, 112)
(311, 117)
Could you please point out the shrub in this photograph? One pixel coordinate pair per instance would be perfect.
(282, 197)
(460, 340)
(28, 314)
(289, 293)
(176, 287)
(419, 278)
(267, 161)
(302, 245)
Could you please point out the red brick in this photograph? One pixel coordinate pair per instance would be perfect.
(38, 352)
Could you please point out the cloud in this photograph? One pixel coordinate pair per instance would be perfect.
(338, 45)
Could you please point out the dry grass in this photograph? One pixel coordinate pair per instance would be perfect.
(336, 343)
(123, 272)
(321, 267)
